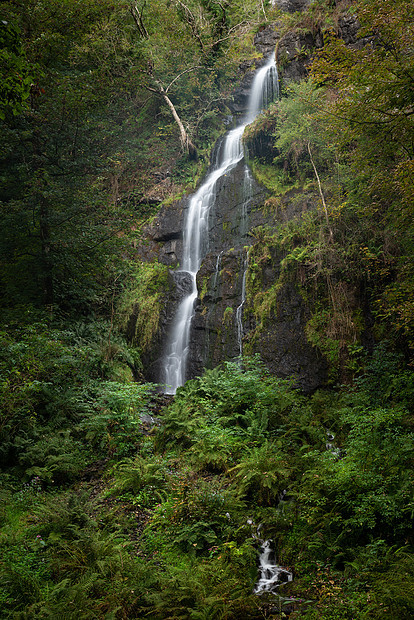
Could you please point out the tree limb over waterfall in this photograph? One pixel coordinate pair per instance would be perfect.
(186, 142)
(138, 19)
(320, 192)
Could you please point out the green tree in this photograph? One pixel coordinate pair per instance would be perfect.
(371, 115)
(16, 74)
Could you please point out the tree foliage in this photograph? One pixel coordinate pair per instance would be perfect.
(118, 502)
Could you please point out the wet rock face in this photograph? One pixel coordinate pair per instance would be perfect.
(180, 285)
(283, 346)
(214, 335)
(228, 227)
(265, 42)
(163, 237)
(282, 342)
(219, 281)
(291, 6)
(295, 53)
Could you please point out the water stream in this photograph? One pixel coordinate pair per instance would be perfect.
(217, 270)
(195, 239)
(239, 311)
(271, 574)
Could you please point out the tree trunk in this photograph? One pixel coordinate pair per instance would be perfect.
(44, 229)
(186, 143)
(321, 193)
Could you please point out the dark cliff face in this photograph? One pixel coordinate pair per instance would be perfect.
(291, 6)
(281, 341)
(215, 331)
(214, 335)
(295, 52)
(283, 346)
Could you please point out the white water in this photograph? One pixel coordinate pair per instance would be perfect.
(239, 311)
(271, 575)
(195, 240)
(217, 270)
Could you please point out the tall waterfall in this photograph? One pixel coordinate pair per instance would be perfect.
(195, 240)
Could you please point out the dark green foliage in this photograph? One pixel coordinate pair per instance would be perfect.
(63, 398)
(105, 513)
(17, 74)
(340, 501)
(239, 448)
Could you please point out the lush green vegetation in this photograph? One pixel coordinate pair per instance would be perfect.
(345, 135)
(106, 512)
(171, 529)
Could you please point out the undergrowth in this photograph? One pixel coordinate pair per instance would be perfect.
(166, 524)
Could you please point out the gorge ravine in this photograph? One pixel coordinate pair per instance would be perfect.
(195, 239)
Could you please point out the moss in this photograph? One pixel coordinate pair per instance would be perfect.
(140, 304)
(316, 333)
(273, 178)
(228, 315)
(260, 257)
(204, 287)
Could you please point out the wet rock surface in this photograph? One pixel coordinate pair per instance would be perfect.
(283, 346)
(163, 237)
(295, 53)
(281, 341)
(265, 42)
(291, 6)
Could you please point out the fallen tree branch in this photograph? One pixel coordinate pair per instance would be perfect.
(320, 192)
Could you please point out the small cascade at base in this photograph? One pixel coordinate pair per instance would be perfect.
(271, 575)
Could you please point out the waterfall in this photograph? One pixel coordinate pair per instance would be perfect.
(195, 238)
(239, 311)
(247, 195)
(271, 575)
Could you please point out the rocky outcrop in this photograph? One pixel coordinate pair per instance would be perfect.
(281, 341)
(265, 41)
(294, 54)
(163, 238)
(283, 346)
(215, 333)
(291, 6)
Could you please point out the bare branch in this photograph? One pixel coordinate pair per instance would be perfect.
(185, 140)
(180, 74)
(229, 33)
(137, 16)
(320, 192)
(191, 20)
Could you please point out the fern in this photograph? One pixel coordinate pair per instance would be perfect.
(263, 474)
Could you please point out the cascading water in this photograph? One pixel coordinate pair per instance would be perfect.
(195, 239)
(247, 195)
(239, 311)
(271, 575)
